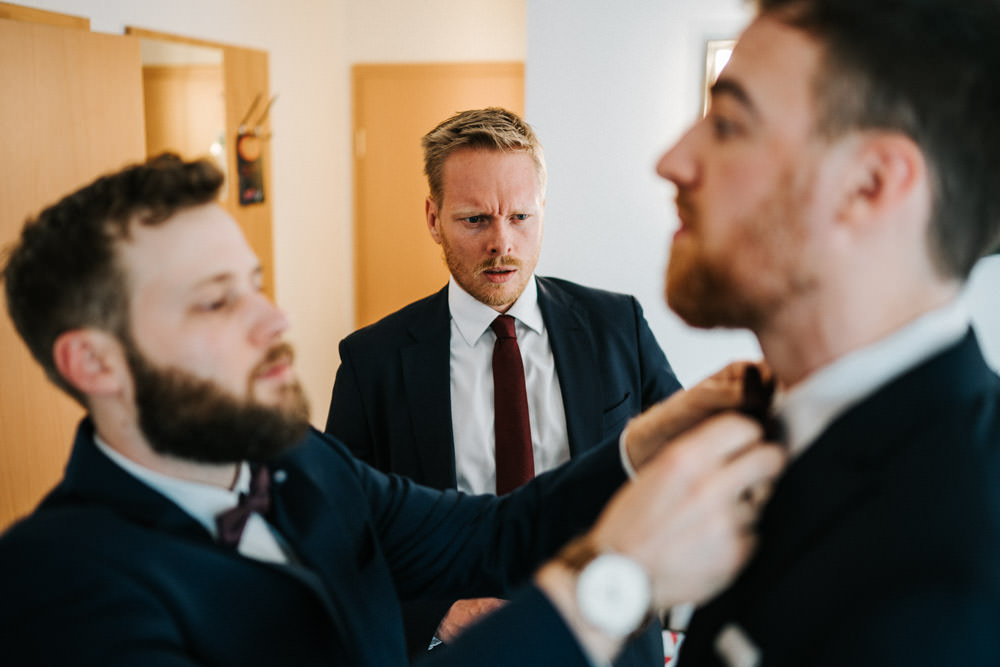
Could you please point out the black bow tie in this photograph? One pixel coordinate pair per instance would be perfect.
(757, 397)
(232, 521)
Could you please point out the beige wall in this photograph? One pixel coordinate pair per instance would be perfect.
(436, 30)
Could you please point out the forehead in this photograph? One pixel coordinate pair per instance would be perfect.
(192, 246)
(773, 72)
(469, 173)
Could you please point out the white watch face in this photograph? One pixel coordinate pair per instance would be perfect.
(613, 594)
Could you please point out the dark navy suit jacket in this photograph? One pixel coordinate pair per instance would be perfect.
(391, 402)
(881, 543)
(109, 572)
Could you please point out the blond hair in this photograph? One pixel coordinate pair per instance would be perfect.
(492, 128)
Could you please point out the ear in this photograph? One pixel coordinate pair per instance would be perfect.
(887, 172)
(431, 213)
(90, 360)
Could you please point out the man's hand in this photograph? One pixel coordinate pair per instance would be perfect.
(686, 518)
(464, 613)
(647, 433)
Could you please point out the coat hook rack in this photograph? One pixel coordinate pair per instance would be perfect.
(249, 146)
(256, 128)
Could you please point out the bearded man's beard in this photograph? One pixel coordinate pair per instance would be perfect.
(717, 289)
(194, 419)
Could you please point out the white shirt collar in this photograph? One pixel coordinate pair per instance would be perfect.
(810, 407)
(473, 317)
(202, 501)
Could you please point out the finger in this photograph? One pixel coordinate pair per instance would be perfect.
(718, 439)
(715, 394)
(734, 372)
(747, 479)
(697, 453)
(757, 494)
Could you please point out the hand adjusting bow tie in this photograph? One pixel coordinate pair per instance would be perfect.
(232, 521)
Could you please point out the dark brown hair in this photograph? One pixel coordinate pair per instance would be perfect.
(927, 69)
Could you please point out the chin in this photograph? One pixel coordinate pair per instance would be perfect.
(505, 296)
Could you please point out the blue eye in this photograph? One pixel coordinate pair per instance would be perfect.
(520, 216)
(475, 219)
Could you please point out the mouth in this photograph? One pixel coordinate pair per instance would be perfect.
(277, 371)
(499, 270)
(499, 275)
(276, 365)
(685, 215)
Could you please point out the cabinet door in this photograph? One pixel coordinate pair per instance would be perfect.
(72, 110)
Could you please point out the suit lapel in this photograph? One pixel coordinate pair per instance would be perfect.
(427, 384)
(575, 358)
(815, 491)
(315, 531)
(840, 470)
(92, 477)
(847, 461)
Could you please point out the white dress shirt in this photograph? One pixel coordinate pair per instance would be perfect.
(204, 501)
(472, 387)
(810, 407)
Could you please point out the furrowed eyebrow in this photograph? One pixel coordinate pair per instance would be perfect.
(728, 87)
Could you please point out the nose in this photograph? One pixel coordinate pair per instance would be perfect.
(678, 164)
(269, 323)
(501, 238)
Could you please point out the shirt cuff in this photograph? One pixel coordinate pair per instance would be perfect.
(623, 454)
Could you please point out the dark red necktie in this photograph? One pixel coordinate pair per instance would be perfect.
(232, 522)
(514, 460)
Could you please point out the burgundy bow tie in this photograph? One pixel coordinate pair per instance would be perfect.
(232, 521)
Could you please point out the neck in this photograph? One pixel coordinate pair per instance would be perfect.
(121, 432)
(806, 337)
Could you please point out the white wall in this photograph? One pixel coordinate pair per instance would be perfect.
(609, 87)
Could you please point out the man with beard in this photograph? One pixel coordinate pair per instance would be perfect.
(200, 520)
(833, 201)
(414, 394)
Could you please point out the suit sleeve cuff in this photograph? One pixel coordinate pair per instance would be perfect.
(623, 455)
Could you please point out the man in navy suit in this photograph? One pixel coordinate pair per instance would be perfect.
(833, 201)
(201, 522)
(414, 391)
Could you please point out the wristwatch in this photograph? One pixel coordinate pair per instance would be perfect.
(612, 590)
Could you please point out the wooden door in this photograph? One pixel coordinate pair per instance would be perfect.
(71, 110)
(244, 77)
(396, 261)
